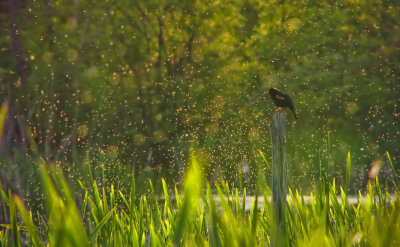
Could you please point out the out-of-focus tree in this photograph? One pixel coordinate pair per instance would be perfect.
(142, 82)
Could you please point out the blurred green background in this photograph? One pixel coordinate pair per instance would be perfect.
(135, 85)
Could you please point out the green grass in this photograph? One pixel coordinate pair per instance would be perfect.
(198, 216)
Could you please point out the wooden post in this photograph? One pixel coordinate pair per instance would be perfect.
(279, 178)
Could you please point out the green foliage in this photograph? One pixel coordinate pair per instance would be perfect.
(197, 217)
(143, 81)
(118, 92)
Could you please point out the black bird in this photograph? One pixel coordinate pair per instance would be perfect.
(282, 100)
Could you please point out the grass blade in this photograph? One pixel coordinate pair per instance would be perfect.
(102, 223)
(391, 165)
(191, 197)
(348, 170)
(16, 237)
(3, 117)
(27, 218)
(265, 160)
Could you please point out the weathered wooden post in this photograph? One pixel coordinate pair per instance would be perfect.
(279, 178)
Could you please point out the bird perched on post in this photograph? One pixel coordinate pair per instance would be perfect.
(282, 100)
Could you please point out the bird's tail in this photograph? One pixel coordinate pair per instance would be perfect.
(294, 113)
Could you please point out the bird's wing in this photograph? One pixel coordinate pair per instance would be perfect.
(277, 96)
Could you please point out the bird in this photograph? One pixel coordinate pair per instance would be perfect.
(282, 100)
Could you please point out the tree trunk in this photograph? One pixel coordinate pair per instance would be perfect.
(16, 41)
(14, 133)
